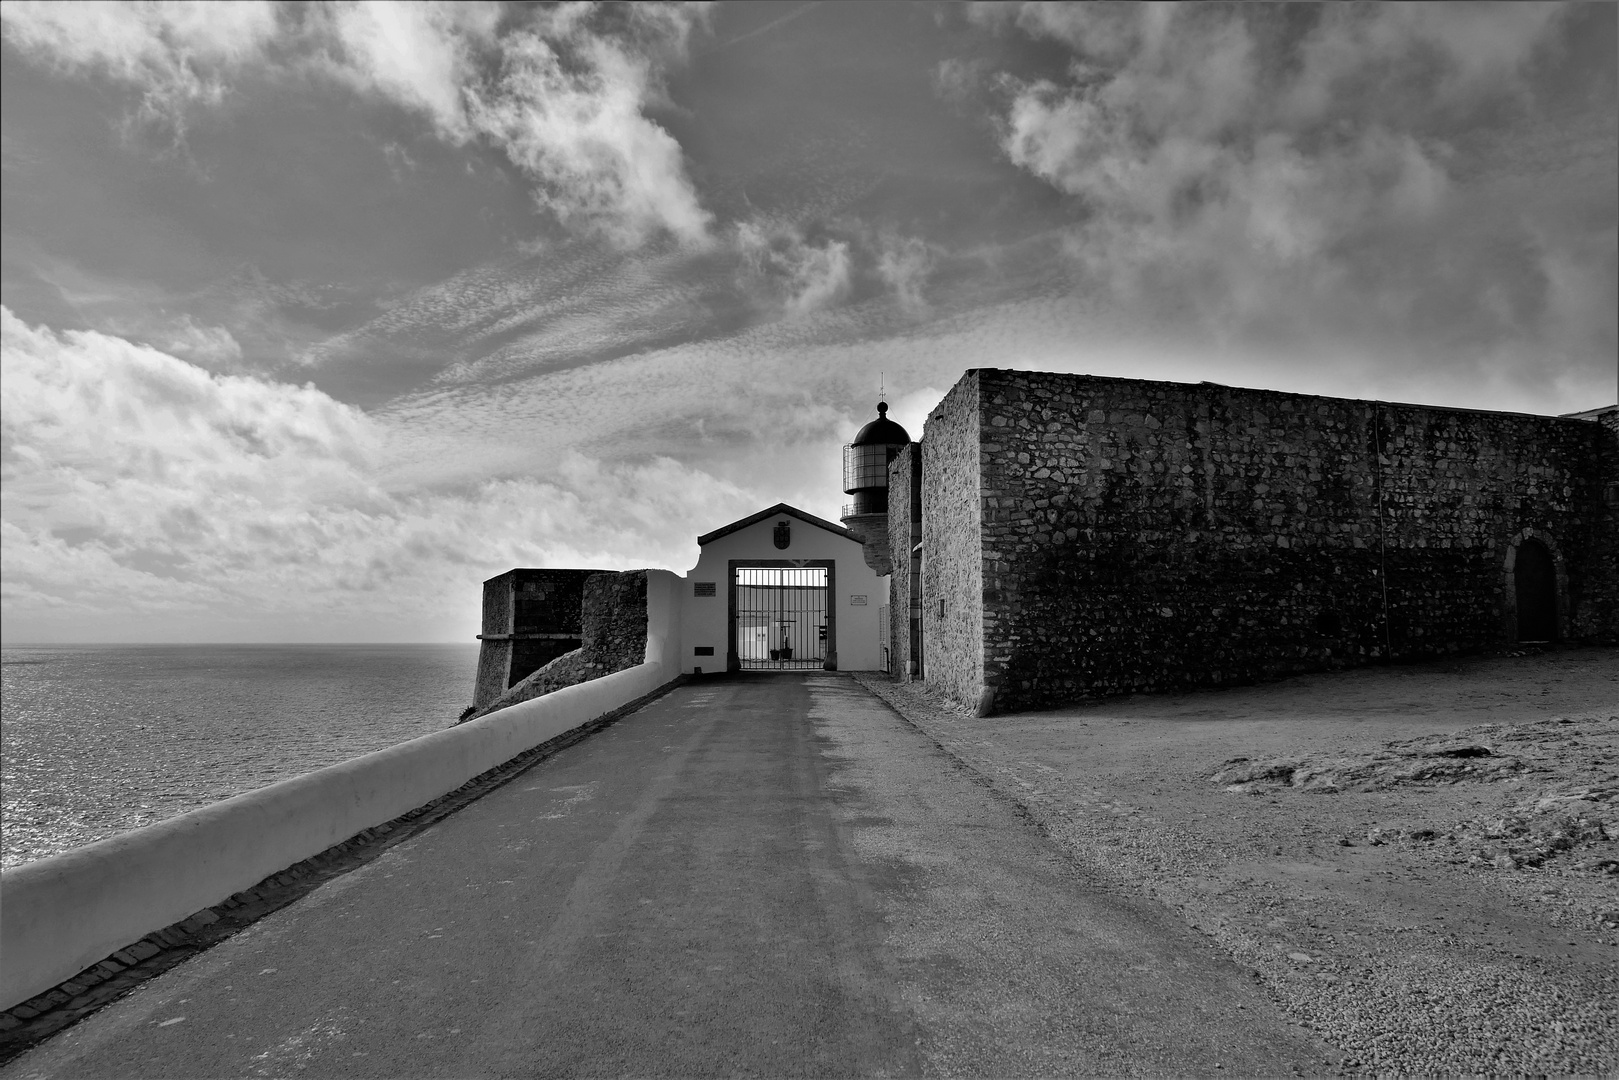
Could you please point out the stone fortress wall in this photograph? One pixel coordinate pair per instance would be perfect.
(1092, 536)
(597, 618)
(1598, 617)
(530, 617)
(614, 621)
(952, 563)
(904, 534)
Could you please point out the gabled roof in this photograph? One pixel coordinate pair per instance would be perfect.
(779, 510)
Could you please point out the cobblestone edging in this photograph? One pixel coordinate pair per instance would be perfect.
(22, 1026)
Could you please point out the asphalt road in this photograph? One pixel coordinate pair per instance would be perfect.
(768, 875)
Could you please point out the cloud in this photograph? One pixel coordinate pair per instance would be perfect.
(1276, 173)
(1390, 58)
(846, 262)
(146, 496)
(176, 53)
(806, 275)
(563, 92)
(569, 109)
(904, 263)
(210, 347)
(422, 55)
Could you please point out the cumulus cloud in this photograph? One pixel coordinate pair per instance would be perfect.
(564, 92)
(144, 493)
(1391, 57)
(1275, 171)
(422, 55)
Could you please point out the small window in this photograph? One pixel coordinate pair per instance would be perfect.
(703, 650)
(1329, 623)
(702, 588)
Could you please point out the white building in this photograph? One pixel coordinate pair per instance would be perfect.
(780, 590)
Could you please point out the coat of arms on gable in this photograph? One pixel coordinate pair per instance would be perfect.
(783, 535)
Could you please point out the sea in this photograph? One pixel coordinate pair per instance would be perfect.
(99, 739)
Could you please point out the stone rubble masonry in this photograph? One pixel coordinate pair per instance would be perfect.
(566, 670)
(953, 553)
(611, 623)
(904, 533)
(1597, 619)
(1095, 536)
(873, 532)
(521, 602)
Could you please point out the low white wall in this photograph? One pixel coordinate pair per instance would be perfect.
(59, 915)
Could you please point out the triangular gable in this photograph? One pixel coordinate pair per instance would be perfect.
(778, 510)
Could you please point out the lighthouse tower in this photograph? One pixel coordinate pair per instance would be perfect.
(865, 477)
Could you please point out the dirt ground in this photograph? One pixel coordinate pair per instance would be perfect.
(1420, 863)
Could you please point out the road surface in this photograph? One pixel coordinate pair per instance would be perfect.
(763, 875)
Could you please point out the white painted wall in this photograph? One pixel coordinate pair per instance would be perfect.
(59, 915)
(704, 620)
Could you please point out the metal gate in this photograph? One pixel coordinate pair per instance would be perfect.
(780, 619)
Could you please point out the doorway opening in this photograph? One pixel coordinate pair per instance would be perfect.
(780, 618)
(1534, 580)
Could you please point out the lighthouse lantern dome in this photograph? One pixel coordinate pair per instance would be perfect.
(865, 464)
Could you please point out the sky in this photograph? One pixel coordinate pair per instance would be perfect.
(317, 315)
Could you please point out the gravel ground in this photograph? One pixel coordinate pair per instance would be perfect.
(1419, 862)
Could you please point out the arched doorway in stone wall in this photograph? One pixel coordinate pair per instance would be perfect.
(1534, 579)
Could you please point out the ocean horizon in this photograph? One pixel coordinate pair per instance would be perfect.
(98, 739)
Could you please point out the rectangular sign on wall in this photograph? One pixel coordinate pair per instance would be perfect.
(857, 600)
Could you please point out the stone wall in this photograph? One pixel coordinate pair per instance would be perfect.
(953, 558)
(873, 532)
(613, 621)
(904, 533)
(1596, 618)
(1142, 536)
(530, 617)
(566, 670)
(610, 621)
